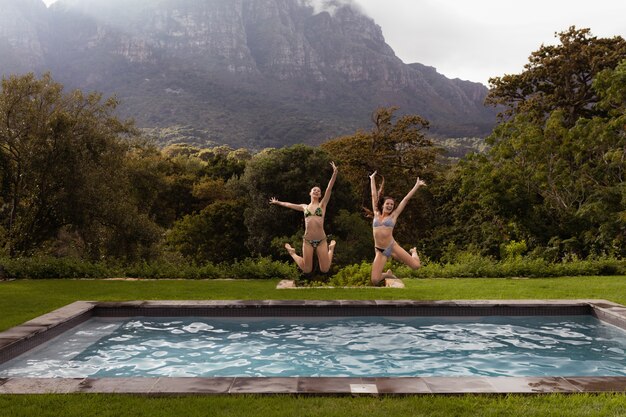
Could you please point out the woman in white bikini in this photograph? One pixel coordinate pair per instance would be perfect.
(314, 236)
(385, 217)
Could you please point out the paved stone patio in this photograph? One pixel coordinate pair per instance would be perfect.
(287, 284)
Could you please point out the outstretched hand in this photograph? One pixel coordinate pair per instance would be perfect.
(419, 182)
(332, 164)
(273, 200)
(373, 175)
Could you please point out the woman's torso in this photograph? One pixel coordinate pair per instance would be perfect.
(382, 227)
(314, 222)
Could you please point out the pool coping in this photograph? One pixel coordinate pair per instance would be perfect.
(23, 337)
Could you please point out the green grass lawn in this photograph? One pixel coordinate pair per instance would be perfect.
(25, 299)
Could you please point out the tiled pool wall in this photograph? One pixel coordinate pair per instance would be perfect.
(20, 339)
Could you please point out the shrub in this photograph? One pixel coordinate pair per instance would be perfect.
(162, 269)
(42, 267)
(513, 249)
(358, 275)
(261, 268)
(467, 265)
(472, 265)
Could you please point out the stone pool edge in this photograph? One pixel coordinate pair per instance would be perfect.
(18, 339)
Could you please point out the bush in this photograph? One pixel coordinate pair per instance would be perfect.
(357, 275)
(161, 269)
(513, 249)
(467, 265)
(50, 267)
(470, 265)
(261, 268)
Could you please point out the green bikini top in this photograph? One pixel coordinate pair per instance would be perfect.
(318, 212)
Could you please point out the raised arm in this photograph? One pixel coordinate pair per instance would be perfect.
(405, 200)
(329, 187)
(298, 207)
(374, 192)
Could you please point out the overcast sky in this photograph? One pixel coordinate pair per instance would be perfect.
(478, 39)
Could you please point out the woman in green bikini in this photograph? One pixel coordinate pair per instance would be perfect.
(385, 217)
(314, 236)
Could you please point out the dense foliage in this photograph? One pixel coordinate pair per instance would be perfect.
(554, 176)
(399, 151)
(78, 182)
(63, 172)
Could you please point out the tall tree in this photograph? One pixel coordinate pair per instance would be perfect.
(287, 174)
(215, 234)
(399, 151)
(395, 147)
(555, 173)
(559, 76)
(62, 166)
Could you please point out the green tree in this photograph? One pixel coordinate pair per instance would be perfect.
(604, 211)
(575, 171)
(62, 167)
(182, 179)
(480, 206)
(553, 175)
(559, 77)
(151, 174)
(355, 234)
(395, 148)
(224, 162)
(216, 234)
(287, 174)
(197, 193)
(399, 151)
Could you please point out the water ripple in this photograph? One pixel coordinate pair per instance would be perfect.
(373, 346)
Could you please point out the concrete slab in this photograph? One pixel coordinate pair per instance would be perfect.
(40, 385)
(192, 386)
(260, 385)
(116, 385)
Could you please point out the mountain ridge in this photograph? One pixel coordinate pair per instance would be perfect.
(251, 73)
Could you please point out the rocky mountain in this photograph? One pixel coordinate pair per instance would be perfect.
(252, 73)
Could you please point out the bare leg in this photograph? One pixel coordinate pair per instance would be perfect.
(307, 257)
(325, 254)
(412, 260)
(377, 268)
(292, 252)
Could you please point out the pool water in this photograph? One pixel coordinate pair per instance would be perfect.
(334, 347)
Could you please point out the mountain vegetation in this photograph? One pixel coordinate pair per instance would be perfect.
(242, 73)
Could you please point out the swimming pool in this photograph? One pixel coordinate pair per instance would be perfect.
(319, 347)
(493, 346)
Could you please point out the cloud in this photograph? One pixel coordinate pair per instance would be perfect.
(480, 39)
(330, 6)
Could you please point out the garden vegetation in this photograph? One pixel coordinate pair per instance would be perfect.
(84, 194)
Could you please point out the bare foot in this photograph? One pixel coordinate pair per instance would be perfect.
(388, 274)
(331, 246)
(291, 250)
